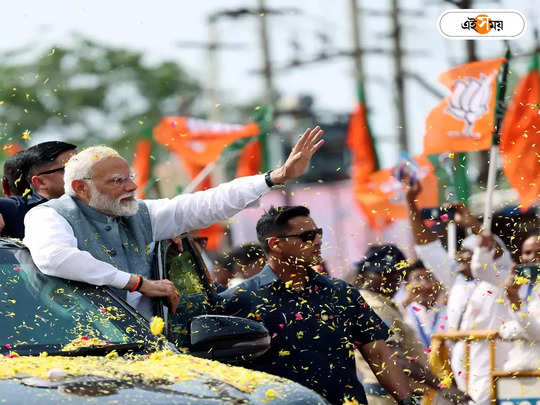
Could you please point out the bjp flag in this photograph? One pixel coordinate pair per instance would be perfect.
(519, 145)
(382, 197)
(197, 142)
(142, 165)
(360, 142)
(250, 160)
(464, 120)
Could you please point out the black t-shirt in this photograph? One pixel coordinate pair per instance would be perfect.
(313, 331)
(13, 210)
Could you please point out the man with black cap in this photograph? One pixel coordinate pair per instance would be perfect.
(33, 176)
(379, 275)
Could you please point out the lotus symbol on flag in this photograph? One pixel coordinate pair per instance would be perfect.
(469, 102)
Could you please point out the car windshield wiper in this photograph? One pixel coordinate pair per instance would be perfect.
(102, 350)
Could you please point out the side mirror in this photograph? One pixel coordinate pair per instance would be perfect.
(228, 338)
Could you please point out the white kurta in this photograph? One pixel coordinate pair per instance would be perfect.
(53, 245)
(524, 327)
(426, 321)
(472, 305)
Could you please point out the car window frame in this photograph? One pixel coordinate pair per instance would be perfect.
(161, 273)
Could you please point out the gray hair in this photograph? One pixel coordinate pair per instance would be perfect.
(80, 165)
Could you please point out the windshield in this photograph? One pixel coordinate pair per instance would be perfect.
(41, 313)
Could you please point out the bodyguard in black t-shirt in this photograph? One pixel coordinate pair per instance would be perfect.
(315, 321)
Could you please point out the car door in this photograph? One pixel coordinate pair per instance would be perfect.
(183, 265)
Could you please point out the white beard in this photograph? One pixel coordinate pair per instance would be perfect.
(112, 206)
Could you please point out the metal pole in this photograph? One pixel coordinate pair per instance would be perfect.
(356, 40)
(213, 69)
(492, 176)
(399, 75)
(205, 172)
(492, 171)
(452, 232)
(273, 144)
(265, 47)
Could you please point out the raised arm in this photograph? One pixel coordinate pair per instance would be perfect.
(421, 234)
(427, 245)
(491, 261)
(199, 210)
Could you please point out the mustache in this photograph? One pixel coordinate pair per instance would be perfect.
(127, 195)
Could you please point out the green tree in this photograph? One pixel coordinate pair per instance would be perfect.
(88, 93)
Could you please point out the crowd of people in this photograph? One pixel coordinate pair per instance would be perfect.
(365, 340)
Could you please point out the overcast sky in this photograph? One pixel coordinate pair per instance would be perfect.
(155, 27)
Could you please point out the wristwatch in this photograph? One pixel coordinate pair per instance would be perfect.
(408, 401)
(268, 179)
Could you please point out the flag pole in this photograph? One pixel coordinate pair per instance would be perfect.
(206, 171)
(493, 158)
(451, 237)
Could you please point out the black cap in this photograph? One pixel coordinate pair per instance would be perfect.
(382, 258)
(46, 152)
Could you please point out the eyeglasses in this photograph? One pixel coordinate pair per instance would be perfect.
(58, 169)
(117, 180)
(306, 236)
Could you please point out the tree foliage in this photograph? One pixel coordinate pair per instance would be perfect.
(88, 93)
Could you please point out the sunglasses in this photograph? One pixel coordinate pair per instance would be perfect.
(58, 169)
(306, 236)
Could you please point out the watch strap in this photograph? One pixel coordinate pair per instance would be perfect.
(268, 179)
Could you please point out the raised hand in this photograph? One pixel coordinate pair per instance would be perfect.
(412, 188)
(300, 156)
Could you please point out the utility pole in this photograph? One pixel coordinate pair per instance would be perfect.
(213, 69)
(399, 76)
(269, 92)
(356, 40)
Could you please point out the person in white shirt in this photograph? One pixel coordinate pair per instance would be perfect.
(473, 304)
(423, 306)
(523, 295)
(100, 190)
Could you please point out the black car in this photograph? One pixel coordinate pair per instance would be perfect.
(64, 341)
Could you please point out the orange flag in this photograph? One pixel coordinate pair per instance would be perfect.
(520, 146)
(364, 160)
(141, 165)
(464, 120)
(199, 142)
(250, 160)
(382, 196)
